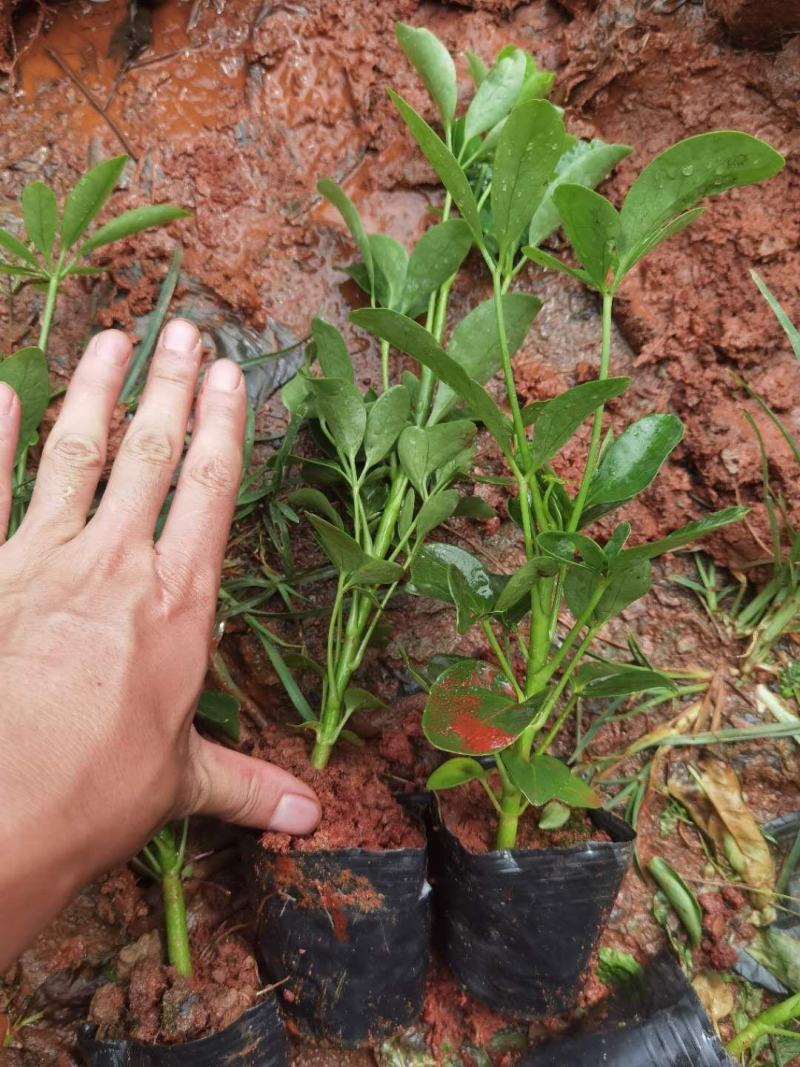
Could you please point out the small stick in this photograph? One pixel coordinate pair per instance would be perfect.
(94, 102)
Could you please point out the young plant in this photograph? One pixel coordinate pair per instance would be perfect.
(775, 609)
(55, 247)
(509, 713)
(390, 457)
(163, 861)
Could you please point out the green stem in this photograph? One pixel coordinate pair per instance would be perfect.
(508, 374)
(553, 732)
(510, 810)
(385, 364)
(775, 1016)
(494, 644)
(175, 922)
(597, 425)
(49, 307)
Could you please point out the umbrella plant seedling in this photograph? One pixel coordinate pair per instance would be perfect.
(500, 710)
(56, 246)
(391, 456)
(163, 860)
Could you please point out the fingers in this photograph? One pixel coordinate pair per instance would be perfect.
(152, 447)
(249, 792)
(9, 432)
(196, 531)
(74, 454)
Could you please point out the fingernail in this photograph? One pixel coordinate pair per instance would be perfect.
(113, 345)
(180, 336)
(224, 375)
(295, 814)
(7, 399)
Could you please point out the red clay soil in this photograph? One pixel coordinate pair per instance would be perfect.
(358, 808)
(467, 813)
(235, 117)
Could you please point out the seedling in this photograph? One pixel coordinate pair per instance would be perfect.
(775, 609)
(54, 248)
(499, 709)
(391, 458)
(163, 860)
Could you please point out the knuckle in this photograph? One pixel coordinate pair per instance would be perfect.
(79, 451)
(173, 368)
(214, 473)
(152, 446)
(224, 406)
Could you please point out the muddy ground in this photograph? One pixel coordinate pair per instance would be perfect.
(233, 110)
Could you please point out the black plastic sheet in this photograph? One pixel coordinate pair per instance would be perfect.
(658, 1022)
(518, 926)
(256, 1039)
(350, 930)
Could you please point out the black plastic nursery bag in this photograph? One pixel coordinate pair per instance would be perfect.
(659, 1022)
(256, 1039)
(350, 930)
(518, 926)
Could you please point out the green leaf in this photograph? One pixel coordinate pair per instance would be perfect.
(470, 607)
(604, 678)
(554, 816)
(685, 173)
(475, 343)
(593, 227)
(647, 244)
(391, 264)
(40, 214)
(562, 546)
(559, 418)
(410, 337)
(683, 536)
(429, 574)
(26, 372)
(433, 63)
(624, 586)
(313, 500)
(471, 710)
(436, 510)
(615, 966)
(477, 68)
(347, 209)
(131, 222)
(220, 711)
(529, 146)
(344, 552)
(587, 163)
(444, 163)
(787, 325)
(436, 256)
(331, 350)
(455, 772)
(87, 198)
(448, 440)
(385, 422)
(23, 272)
(340, 405)
(475, 507)
(631, 462)
(13, 245)
(412, 450)
(406, 516)
(545, 778)
(522, 581)
(496, 95)
(376, 572)
(544, 259)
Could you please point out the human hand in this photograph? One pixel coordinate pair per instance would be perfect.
(105, 635)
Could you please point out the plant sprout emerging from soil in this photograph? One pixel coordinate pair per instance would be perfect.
(390, 457)
(481, 709)
(163, 860)
(55, 247)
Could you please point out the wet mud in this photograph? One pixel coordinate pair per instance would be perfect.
(233, 110)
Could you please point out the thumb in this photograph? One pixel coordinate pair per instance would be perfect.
(248, 791)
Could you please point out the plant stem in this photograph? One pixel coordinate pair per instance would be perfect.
(510, 809)
(169, 866)
(597, 425)
(49, 307)
(775, 1016)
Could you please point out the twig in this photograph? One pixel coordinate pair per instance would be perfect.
(94, 102)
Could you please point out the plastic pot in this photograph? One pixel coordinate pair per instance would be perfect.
(256, 1039)
(347, 932)
(518, 926)
(659, 1022)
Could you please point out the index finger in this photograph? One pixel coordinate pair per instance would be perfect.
(196, 531)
